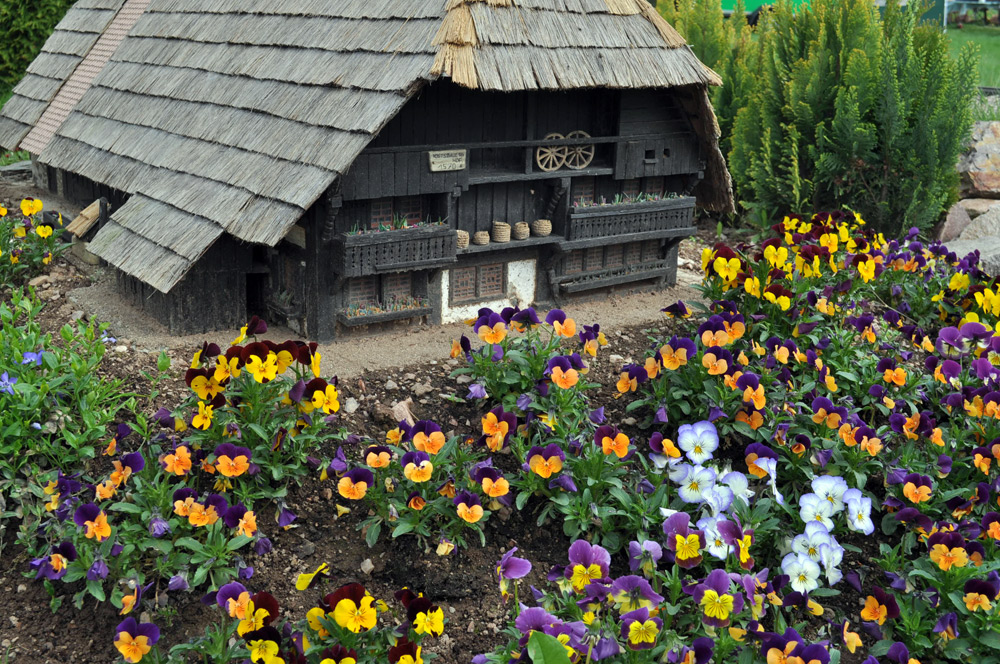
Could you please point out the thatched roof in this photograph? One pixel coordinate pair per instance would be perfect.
(234, 116)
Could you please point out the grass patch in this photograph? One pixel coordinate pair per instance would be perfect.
(7, 158)
(988, 40)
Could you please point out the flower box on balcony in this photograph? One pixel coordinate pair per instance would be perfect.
(400, 250)
(647, 217)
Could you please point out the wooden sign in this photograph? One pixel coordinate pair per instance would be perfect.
(447, 160)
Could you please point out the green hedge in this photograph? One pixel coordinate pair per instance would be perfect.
(836, 104)
(26, 26)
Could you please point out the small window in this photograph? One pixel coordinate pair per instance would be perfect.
(633, 253)
(666, 153)
(381, 212)
(583, 191)
(396, 286)
(573, 262)
(595, 258)
(613, 256)
(478, 283)
(650, 156)
(654, 186)
(363, 291)
(651, 251)
(631, 188)
(490, 280)
(463, 284)
(411, 209)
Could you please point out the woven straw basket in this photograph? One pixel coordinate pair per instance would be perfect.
(462, 239)
(541, 227)
(501, 232)
(481, 237)
(521, 231)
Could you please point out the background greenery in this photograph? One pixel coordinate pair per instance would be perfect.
(987, 39)
(26, 25)
(837, 103)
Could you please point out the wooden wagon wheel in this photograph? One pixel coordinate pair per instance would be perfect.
(551, 157)
(579, 156)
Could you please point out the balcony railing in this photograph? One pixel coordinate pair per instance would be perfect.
(420, 248)
(648, 218)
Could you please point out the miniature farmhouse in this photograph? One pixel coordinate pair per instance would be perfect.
(343, 164)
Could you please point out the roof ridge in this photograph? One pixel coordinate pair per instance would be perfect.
(461, 38)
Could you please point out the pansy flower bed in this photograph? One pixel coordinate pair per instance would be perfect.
(803, 470)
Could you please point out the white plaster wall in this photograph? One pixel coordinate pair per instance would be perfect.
(520, 285)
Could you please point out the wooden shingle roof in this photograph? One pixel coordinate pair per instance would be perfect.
(234, 116)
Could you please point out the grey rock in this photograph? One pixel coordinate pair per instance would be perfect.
(391, 385)
(350, 405)
(463, 379)
(989, 252)
(307, 549)
(39, 280)
(953, 225)
(978, 206)
(421, 390)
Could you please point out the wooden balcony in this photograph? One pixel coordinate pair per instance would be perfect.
(670, 217)
(421, 248)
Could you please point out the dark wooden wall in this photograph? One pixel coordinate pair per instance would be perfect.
(665, 143)
(81, 191)
(509, 202)
(445, 114)
(212, 296)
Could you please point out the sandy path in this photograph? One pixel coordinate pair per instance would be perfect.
(356, 355)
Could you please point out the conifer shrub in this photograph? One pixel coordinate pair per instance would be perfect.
(837, 103)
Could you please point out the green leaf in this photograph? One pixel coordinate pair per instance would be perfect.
(545, 649)
(163, 362)
(371, 536)
(521, 499)
(190, 544)
(238, 542)
(880, 648)
(889, 524)
(990, 639)
(824, 592)
(125, 507)
(402, 529)
(620, 495)
(96, 589)
(200, 575)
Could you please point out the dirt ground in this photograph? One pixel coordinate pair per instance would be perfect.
(356, 355)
